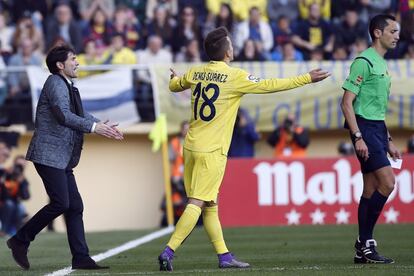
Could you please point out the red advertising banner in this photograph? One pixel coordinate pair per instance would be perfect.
(306, 191)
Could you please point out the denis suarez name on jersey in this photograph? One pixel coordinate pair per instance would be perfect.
(216, 77)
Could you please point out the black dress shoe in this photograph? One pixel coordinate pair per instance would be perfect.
(88, 264)
(19, 252)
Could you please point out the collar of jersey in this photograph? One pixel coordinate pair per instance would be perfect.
(378, 56)
(217, 62)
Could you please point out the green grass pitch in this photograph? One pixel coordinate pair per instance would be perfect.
(295, 250)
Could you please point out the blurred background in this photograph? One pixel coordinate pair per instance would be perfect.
(290, 160)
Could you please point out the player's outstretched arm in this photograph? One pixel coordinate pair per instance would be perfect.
(318, 75)
(177, 83)
(173, 73)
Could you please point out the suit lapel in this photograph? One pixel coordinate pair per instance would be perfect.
(74, 96)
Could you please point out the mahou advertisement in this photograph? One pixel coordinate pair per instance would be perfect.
(306, 191)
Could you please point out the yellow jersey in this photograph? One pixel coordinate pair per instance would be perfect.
(216, 90)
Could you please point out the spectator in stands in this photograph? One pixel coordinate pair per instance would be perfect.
(370, 8)
(6, 34)
(137, 6)
(289, 53)
(18, 81)
(198, 5)
(345, 149)
(63, 26)
(404, 7)
(278, 8)
(241, 9)
(314, 32)
(360, 45)
(38, 9)
(92, 56)
(191, 53)
(87, 9)
(252, 51)
(186, 30)
(224, 18)
(99, 29)
(339, 6)
(340, 52)
(74, 7)
(286, 52)
(410, 52)
(244, 136)
(324, 6)
(282, 32)
(290, 139)
(170, 5)
(162, 25)
(117, 53)
(4, 155)
(25, 29)
(407, 30)
(127, 23)
(316, 54)
(349, 29)
(410, 144)
(154, 54)
(15, 189)
(255, 29)
(3, 86)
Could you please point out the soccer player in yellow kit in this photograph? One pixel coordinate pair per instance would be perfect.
(216, 89)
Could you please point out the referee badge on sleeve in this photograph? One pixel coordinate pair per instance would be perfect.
(357, 82)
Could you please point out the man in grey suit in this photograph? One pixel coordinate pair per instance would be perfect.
(55, 150)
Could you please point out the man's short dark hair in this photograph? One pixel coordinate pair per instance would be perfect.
(379, 22)
(57, 54)
(216, 44)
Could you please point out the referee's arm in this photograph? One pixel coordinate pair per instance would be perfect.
(349, 113)
(348, 110)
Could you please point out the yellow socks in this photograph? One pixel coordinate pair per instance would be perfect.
(213, 228)
(185, 225)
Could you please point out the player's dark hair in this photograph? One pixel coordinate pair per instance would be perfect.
(216, 44)
(379, 22)
(57, 54)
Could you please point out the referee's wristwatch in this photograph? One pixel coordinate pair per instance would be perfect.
(357, 135)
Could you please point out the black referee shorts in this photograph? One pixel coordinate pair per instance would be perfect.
(375, 136)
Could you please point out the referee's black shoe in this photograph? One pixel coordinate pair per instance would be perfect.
(367, 253)
(359, 256)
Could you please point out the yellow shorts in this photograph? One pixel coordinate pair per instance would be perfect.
(203, 173)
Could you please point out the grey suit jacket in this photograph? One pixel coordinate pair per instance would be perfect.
(58, 136)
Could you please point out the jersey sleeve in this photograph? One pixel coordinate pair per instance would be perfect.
(359, 72)
(178, 84)
(247, 83)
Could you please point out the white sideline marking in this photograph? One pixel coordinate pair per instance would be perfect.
(119, 249)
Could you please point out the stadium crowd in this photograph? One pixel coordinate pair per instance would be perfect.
(261, 29)
(144, 31)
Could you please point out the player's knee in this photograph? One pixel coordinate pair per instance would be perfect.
(388, 186)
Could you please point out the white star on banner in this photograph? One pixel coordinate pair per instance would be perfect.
(318, 217)
(342, 217)
(293, 217)
(391, 215)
